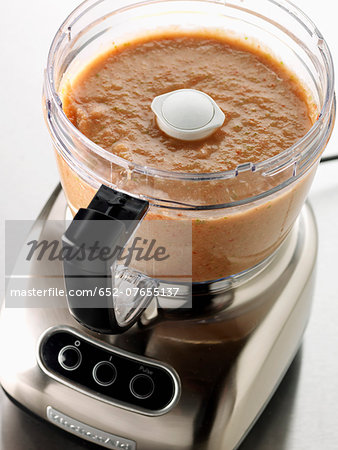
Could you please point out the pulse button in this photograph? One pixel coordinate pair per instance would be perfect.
(104, 373)
(70, 357)
(141, 386)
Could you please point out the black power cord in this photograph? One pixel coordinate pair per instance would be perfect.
(329, 158)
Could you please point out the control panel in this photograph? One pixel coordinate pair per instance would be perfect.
(119, 377)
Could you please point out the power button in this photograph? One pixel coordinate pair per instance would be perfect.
(70, 357)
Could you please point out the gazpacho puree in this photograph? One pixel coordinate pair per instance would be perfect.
(267, 110)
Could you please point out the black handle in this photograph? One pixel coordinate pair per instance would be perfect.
(91, 246)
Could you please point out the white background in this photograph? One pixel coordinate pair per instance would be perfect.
(28, 175)
(28, 171)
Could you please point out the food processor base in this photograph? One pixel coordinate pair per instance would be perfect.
(225, 361)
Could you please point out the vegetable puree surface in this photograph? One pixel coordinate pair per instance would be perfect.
(265, 107)
(266, 111)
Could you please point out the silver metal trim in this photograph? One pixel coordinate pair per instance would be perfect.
(83, 390)
(91, 434)
(99, 364)
(131, 386)
(64, 366)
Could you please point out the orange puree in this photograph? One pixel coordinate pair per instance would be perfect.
(266, 108)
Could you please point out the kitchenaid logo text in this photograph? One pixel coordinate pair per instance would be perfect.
(139, 250)
(89, 433)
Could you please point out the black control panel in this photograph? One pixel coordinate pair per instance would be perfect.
(104, 371)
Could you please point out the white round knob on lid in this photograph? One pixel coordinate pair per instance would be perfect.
(187, 114)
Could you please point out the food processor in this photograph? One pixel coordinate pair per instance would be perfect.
(183, 350)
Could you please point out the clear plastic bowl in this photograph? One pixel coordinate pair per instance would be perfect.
(238, 218)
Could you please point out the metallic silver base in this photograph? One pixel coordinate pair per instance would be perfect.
(229, 357)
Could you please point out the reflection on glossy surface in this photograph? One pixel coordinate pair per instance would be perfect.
(19, 428)
(229, 361)
(271, 431)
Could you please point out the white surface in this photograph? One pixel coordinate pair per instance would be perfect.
(26, 31)
(28, 169)
(187, 114)
(28, 175)
(187, 109)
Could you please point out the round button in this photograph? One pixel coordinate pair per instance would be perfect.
(70, 357)
(104, 373)
(141, 386)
